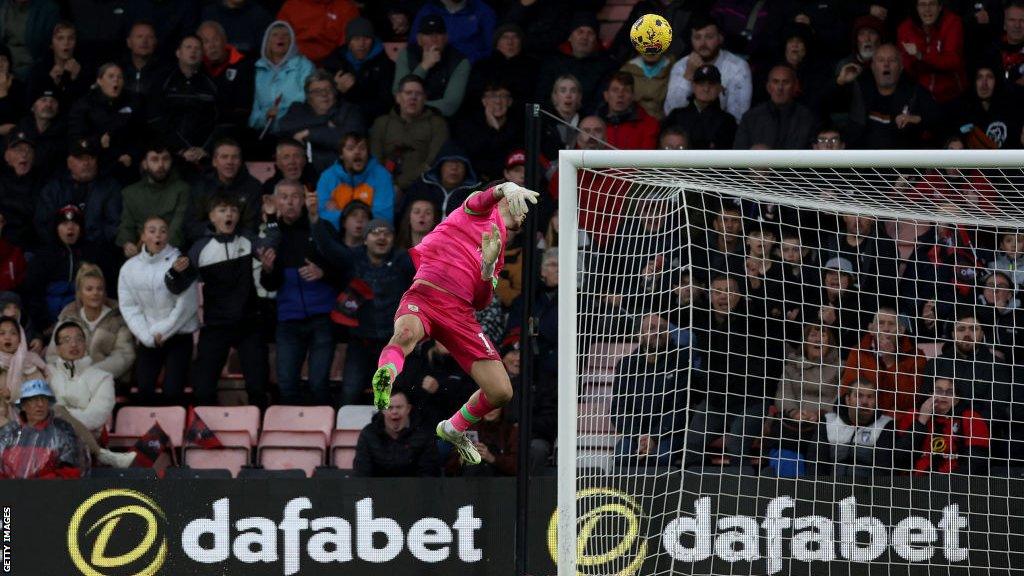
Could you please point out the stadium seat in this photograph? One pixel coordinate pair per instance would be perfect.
(596, 451)
(261, 171)
(331, 473)
(594, 417)
(237, 428)
(265, 474)
(187, 473)
(295, 437)
(134, 421)
(350, 422)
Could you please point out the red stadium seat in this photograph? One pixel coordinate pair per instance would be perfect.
(295, 437)
(134, 421)
(237, 428)
(350, 422)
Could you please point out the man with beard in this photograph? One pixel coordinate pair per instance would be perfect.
(999, 313)
(355, 176)
(860, 438)
(888, 110)
(48, 130)
(19, 188)
(160, 192)
(228, 178)
(707, 39)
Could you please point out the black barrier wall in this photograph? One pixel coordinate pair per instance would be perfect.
(693, 525)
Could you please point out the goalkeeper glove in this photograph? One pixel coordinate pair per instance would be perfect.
(517, 198)
(490, 247)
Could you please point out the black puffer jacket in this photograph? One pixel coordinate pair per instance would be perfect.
(412, 454)
(95, 114)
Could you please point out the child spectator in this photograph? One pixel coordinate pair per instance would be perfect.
(1009, 259)
(17, 365)
(162, 321)
(231, 315)
(353, 221)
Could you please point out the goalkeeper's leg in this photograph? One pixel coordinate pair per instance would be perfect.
(495, 391)
(409, 330)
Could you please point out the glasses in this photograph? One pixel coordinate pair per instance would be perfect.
(71, 340)
(831, 140)
(679, 147)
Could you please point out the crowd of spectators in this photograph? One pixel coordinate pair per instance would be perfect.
(127, 208)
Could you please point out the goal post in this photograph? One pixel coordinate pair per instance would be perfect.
(681, 446)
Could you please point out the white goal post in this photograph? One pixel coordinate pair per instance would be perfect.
(645, 518)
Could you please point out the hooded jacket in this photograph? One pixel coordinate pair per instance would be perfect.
(168, 199)
(111, 344)
(321, 24)
(86, 391)
(285, 80)
(408, 147)
(373, 74)
(325, 131)
(430, 188)
(148, 306)
(470, 28)
(372, 186)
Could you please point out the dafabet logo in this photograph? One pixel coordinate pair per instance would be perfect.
(118, 533)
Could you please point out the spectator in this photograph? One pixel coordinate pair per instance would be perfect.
(932, 49)
(108, 118)
(545, 314)
(228, 178)
(471, 23)
(1011, 45)
(281, 74)
(498, 444)
(780, 123)
(84, 394)
(722, 251)
(515, 167)
(59, 70)
(581, 56)
(354, 219)
(408, 139)
(143, 71)
(101, 25)
(946, 434)
(12, 93)
(490, 136)
(419, 219)
(707, 126)
(629, 126)
(861, 440)
(706, 38)
(828, 138)
(448, 183)
(322, 120)
(320, 24)
(386, 273)
(810, 377)
(240, 21)
(171, 21)
(11, 305)
(290, 164)
(444, 70)
(887, 109)
(185, 109)
(870, 251)
(306, 292)
(673, 138)
(566, 100)
(543, 23)
(36, 444)
(889, 359)
(159, 193)
(363, 72)
(999, 314)
(842, 305)
(111, 345)
(507, 64)
(12, 262)
(987, 113)
(802, 51)
(49, 130)
(17, 364)
(355, 175)
(231, 314)
(393, 445)
(868, 32)
(26, 28)
(97, 198)
(233, 75)
(162, 321)
(20, 184)
(51, 277)
(650, 74)
(1009, 258)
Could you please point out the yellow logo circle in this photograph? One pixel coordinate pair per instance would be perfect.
(938, 444)
(608, 533)
(94, 525)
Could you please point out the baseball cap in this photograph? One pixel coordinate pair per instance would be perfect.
(32, 388)
(70, 213)
(515, 158)
(82, 148)
(839, 263)
(707, 73)
(20, 137)
(433, 24)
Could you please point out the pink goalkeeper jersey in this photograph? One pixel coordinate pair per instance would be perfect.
(450, 256)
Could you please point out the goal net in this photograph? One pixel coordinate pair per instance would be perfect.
(790, 362)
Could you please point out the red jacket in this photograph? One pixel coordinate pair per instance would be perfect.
(319, 24)
(940, 445)
(940, 69)
(896, 386)
(636, 130)
(600, 201)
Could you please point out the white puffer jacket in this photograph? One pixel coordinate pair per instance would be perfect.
(147, 305)
(87, 392)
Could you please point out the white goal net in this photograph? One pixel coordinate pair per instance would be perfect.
(791, 362)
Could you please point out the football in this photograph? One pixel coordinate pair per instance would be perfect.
(651, 34)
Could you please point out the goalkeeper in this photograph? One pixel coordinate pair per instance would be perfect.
(457, 266)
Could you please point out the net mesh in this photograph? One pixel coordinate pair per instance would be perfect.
(780, 367)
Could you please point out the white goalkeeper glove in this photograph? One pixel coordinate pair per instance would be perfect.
(517, 198)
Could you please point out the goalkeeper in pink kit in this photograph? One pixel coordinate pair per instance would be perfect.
(457, 266)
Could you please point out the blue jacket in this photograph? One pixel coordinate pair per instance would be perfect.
(470, 30)
(286, 80)
(374, 175)
(298, 299)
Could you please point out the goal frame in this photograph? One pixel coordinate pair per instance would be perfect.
(569, 164)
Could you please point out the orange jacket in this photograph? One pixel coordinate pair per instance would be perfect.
(319, 24)
(897, 385)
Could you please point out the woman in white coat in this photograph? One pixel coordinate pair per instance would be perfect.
(161, 319)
